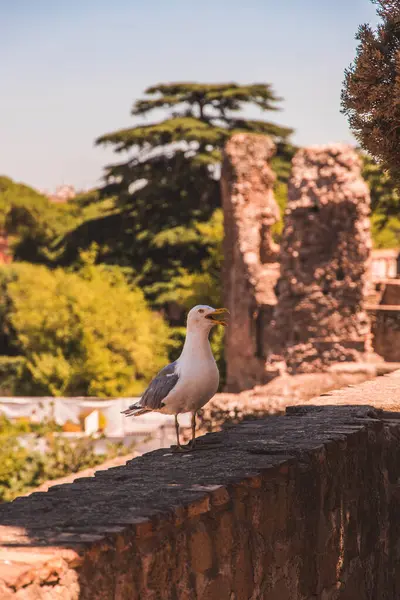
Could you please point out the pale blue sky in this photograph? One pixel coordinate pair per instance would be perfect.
(71, 69)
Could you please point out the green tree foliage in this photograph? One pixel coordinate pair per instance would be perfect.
(371, 93)
(29, 218)
(22, 467)
(202, 286)
(168, 185)
(387, 236)
(11, 373)
(83, 333)
(385, 198)
(385, 204)
(36, 225)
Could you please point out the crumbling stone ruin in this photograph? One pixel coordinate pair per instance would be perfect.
(251, 268)
(320, 317)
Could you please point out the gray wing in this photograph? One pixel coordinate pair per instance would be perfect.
(160, 387)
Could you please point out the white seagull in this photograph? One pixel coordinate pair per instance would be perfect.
(187, 384)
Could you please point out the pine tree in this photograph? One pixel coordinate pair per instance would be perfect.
(371, 97)
(169, 183)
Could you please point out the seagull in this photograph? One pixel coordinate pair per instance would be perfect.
(188, 383)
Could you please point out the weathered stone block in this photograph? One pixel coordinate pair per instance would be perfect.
(250, 254)
(201, 550)
(320, 317)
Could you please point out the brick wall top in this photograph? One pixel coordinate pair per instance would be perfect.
(383, 393)
(118, 534)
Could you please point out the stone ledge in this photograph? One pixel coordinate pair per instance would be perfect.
(383, 307)
(161, 480)
(131, 530)
(383, 393)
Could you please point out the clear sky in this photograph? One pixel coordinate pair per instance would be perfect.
(71, 69)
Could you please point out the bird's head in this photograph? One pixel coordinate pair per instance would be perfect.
(205, 317)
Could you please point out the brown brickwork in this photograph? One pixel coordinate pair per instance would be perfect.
(250, 255)
(304, 506)
(320, 317)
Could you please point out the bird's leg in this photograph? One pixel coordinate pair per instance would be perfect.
(178, 447)
(177, 431)
(192, 442)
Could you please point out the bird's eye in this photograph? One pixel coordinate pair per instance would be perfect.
(201, 310)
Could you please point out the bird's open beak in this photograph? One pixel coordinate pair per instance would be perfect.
(219, 316)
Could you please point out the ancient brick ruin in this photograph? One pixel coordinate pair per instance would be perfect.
(251, 268)
(320, 317)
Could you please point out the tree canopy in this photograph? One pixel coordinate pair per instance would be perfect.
(36, 226)
(385, 198)
(80, 333)
(29, 218)
(168, 184)
(371, 95)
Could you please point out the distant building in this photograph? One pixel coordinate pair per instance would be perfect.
(62, 194)
(385, 264)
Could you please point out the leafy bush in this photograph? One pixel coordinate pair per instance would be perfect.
(203, 286)
(81, 333)
(36, 225)
(19, 468)
(32, 221)
(23, 468)
(65, 456)
(387, 236)
(11, 369)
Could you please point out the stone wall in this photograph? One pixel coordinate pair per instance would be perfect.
(320, 317)
(250, 265)
(298, 507)
(385, 317)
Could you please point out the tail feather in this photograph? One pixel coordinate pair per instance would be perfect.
(135, 410)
